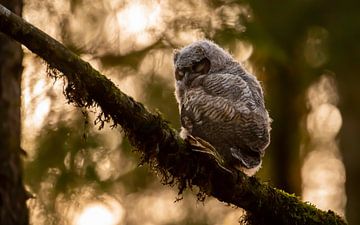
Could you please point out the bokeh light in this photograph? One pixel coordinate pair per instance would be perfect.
(136, 17)
(315, 46)
(86, 176)
(323, 172)
(99, 214)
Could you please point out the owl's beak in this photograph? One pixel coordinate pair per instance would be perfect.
(186, 75)
(187, 78)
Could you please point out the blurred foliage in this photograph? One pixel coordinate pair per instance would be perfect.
(288, 45)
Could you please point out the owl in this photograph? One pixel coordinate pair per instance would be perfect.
(222, 104)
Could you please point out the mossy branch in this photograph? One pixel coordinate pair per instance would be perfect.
(159, 144)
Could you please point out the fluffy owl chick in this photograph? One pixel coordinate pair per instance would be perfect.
(222, 104)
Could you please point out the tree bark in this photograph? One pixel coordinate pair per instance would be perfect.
(159, 144)
(13, 208)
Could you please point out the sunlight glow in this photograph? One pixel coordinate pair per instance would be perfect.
(155, 208)
(40, 112)
(139, 22)
(323, 172)
(98, 214)
(137, 17)
(324, 121)
(36, 103)
(35, 12)
(95, 214)
(243, 50)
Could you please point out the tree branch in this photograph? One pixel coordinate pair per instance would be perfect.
(159, 144)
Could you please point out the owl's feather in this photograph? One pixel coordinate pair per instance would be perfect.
(222, 104)
(221, 110)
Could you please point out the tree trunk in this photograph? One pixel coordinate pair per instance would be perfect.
(13, 208)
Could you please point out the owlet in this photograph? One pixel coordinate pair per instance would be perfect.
(222, 104)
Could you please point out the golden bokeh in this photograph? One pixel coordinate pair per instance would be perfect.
(114, 29)
(99, 213)
(323, 172)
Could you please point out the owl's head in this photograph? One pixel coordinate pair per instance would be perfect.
(199, 58)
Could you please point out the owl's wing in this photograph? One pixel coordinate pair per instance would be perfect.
(228, 111)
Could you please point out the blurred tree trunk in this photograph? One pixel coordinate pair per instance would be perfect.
(348, 73)
(13, 208)
(285, 92)
(345, 62)
(277, 41)
(350, 143)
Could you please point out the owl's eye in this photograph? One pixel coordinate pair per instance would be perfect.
(179, 74)
(202, 67)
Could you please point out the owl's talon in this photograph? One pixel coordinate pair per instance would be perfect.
(199, 145)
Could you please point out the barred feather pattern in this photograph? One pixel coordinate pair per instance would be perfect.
(223, 105)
